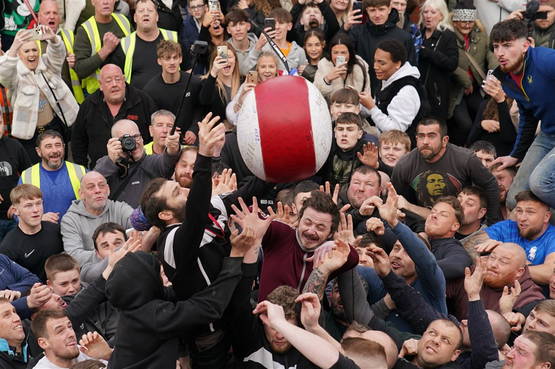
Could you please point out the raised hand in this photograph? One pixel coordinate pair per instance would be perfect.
(410, 348)
(211, 136)
(94, 345)
(509, 297)
(283, 214)
(10, 295)
(382, 265)
(131, 245)
(242, 242)
(226, 184)
(327, 190)
(310, 310)
(270, 314)
(246, 217)
(334, 258)
(473, 281)
(375, 225)
(345, 229)
(369, 155)
(39, 295)
(389, 210)
(369, 205)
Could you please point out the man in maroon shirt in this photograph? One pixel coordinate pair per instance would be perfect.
(288, 251)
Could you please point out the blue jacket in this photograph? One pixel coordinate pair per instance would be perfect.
(189, 34)
(17, 278)
(535, 99)
(430, 281)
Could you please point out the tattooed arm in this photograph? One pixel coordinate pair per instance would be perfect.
(316, 282)
(472, 241)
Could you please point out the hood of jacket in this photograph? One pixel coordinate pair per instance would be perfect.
(78, 207)
(406, 70)
(134, 281)
(389, 24)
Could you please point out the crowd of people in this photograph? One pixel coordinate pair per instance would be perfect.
(133, 234)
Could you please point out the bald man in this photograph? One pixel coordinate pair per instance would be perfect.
(505, 265)
(85, 215)
(114, 101)
(127, 167)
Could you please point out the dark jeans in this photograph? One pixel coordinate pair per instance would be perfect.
(57, 125)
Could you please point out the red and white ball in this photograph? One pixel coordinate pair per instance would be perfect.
(284, 130)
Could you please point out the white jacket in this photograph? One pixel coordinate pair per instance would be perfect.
(403, 107)
(355, 79)
(25, 86)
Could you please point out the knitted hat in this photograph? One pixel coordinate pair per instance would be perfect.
(464, 11)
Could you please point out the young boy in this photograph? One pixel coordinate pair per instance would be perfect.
(393, 146)
(485, 151)
(346, 100)
(242, 40)
(294, 53)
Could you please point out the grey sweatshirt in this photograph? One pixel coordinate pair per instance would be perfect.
(78, 226)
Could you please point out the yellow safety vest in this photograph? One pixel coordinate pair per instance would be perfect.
(148, 148)
(69, 39)
(91, 29)
(128, 46)
(74, 171)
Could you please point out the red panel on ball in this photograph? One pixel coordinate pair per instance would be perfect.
(285, 129)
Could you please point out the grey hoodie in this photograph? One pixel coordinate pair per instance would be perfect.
(78, 226)
(243, 55)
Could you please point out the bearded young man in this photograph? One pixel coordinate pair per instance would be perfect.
(525, 74)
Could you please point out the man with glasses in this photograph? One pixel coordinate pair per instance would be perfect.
(128, 169)
(112, 102)
(191, 26)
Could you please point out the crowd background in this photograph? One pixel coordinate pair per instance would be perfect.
(133, 234)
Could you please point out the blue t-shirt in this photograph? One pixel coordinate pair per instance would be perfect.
(536, 250)
(57, 193)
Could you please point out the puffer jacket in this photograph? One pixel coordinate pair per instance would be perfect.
(358, 78)
(478, 49)
(26, 86)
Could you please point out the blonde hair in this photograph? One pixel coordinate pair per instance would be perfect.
(441, 6)
(235, 75)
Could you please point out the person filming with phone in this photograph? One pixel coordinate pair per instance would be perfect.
(41, 100)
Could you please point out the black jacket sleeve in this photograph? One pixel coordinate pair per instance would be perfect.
(484, 348)
(170, 319)
(446, 54)
(79, 138)
(411, 305)
(86, 302)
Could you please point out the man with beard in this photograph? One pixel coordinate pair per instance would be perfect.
(531, 230)
(504, 178)
(58, 180)
(185, 165)
(505, 265)
(56, 337)
(33, 240)
(86, 214)
(530, 87)
(434, 154)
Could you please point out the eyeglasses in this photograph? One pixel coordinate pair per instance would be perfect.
(196, 7)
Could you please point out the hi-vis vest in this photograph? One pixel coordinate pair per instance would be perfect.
(128, 46)
(91, 28)
(68, 39)
(74, 171)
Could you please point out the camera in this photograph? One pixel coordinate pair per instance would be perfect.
(199, 48)
(531, 14)
(128, 143)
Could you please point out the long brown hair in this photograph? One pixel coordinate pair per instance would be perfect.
(235, 76)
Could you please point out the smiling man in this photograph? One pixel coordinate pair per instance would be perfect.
(55, 335)
(14, 350)
(58, 180)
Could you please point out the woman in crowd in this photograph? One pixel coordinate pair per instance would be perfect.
(398, 103)
(222, 83)
(314, 44)
(341, 68)
(41, 100)
(438, 56)
(342, 9)
(493, 122)
(474, 59)
(266, 68)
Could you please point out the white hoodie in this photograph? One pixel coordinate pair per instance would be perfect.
(403, 107)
